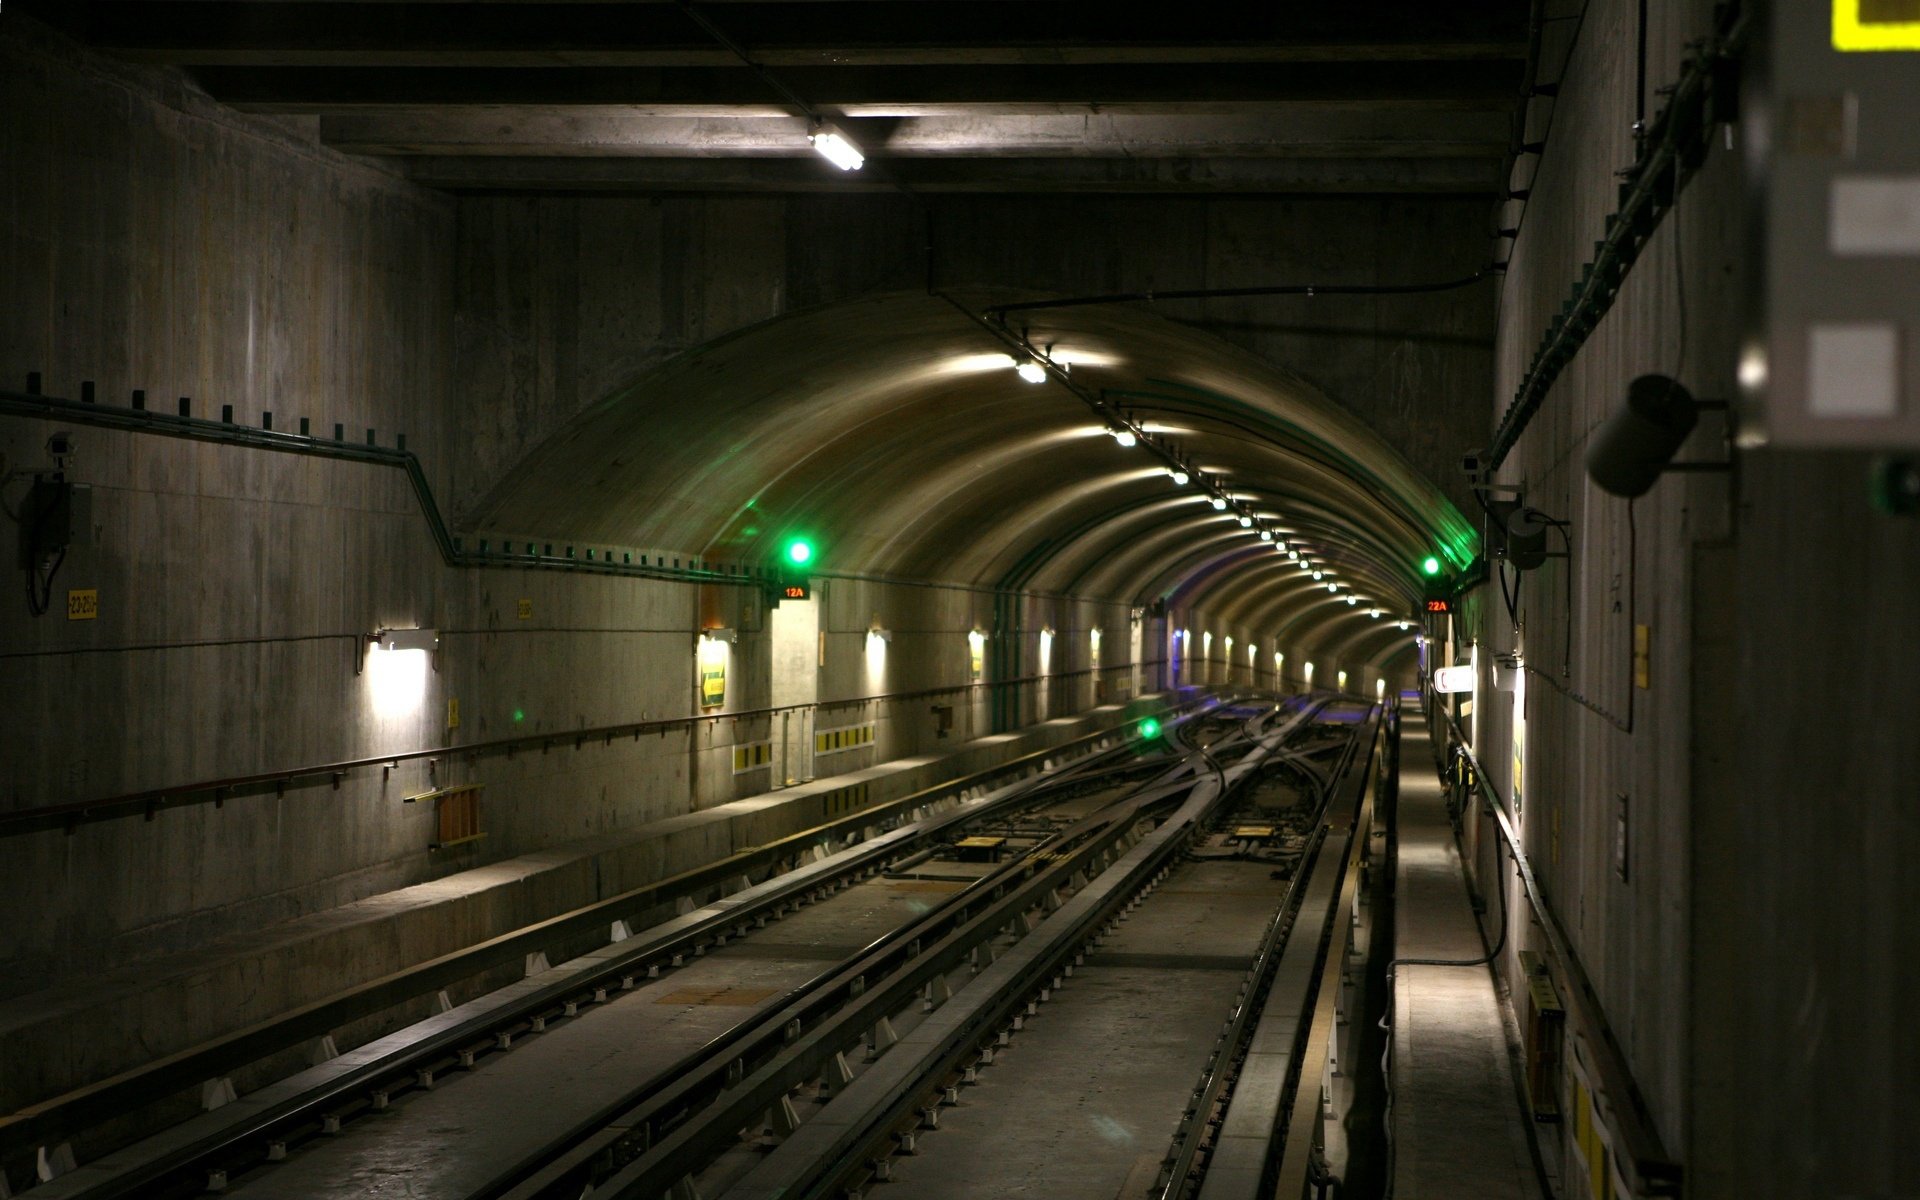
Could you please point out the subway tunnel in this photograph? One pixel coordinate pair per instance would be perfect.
(739, 599)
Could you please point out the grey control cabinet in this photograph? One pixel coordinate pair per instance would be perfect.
(1831, 356)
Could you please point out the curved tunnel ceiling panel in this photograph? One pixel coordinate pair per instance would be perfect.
(895, 434)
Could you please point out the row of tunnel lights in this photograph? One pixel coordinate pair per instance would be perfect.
(1279, 658)
(1128, 434)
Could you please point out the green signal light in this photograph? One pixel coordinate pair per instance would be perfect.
(519, 715)
(1150, 728)
(799, 551)
(1431, 566)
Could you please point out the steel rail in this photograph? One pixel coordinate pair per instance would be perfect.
(678, 1101)
(829, 1146)
(1223, 1066)
(59, 1118)
(695, 1117)
(682, 1091)
(1256, 1152)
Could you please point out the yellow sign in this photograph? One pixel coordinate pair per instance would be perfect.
(453, 712)
(713, 681)
(1876, 25)
(83, 604)
(525, 609)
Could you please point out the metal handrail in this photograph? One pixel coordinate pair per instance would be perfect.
(1651, 1170)
(150, 800)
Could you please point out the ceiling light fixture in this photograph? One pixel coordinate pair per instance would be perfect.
(836, 147)
(1180, 478)
(1031, 371)
(1125, 437)
(1219, 503)
(1246, 522)
(1266, 535)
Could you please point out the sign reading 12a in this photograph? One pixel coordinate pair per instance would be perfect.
(795, 591)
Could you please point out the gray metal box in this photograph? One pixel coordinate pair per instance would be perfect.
(1831, 356)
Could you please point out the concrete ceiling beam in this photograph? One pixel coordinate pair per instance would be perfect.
(787, 34)
(839, 89)
(1461, 176)
(1293, 131)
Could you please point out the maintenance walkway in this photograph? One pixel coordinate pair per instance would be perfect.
(1457, 1125)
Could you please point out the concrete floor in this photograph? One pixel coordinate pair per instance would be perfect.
(1083, 1104)
(1457, 1126)
(469, 1128)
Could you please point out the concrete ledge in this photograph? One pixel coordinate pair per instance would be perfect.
(89, 1028)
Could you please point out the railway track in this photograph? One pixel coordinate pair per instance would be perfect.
(1056, 1072)
(869, 1014)
(259, 1145)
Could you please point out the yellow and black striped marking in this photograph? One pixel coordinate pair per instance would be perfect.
(751, 756)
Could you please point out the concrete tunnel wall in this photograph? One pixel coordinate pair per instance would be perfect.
(1757, 945)
(273, 275)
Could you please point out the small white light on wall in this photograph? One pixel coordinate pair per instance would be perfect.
(1308, 668)
(1380, 688)
(1342, 677)
(407, 639)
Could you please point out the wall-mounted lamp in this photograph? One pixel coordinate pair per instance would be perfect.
(1031, 371)
(720, 633)
(1219, 503)
(1125, 437)
(1180, 478)
(397, 682)
(407, 639)
(882, 635)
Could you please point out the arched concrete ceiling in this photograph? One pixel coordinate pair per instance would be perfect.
(894, 433)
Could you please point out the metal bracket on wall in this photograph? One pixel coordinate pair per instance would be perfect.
(1673, 149)
(227, 433)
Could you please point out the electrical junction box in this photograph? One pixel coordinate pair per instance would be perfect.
(55, 516)
(1831, 356)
